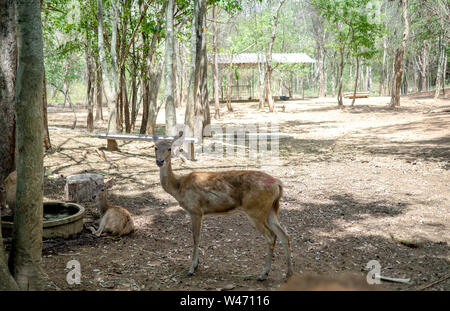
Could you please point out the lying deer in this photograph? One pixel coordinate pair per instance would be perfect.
(115, 219)
(255, 193)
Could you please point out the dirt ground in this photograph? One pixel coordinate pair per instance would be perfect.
(357, 182)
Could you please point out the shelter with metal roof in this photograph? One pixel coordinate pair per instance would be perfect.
(244, 86)
(253, 59)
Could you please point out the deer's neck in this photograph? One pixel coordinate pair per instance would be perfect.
(103, 204)
(169, 181)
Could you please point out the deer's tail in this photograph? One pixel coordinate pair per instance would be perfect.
(276, 203)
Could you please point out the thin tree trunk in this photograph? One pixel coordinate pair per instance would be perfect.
(90, 86)
(397, 79)
(356, 81)
(171, 116)
(112, 114)
(47, 143)
(269, 69)
(148, 113)
(99, 91)
(340, 79)
(25, 258)
(8, 69)
(383, 69)
(215, 68)
(155, 81)
(441, 65)
(126, 105)
(230, 84)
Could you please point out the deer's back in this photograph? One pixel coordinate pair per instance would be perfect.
(118, 220)
(226, 191)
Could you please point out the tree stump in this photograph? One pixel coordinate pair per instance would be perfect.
(79, 187)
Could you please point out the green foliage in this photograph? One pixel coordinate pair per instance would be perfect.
(353, 23)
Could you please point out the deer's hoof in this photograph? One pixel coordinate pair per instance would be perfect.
(263, 277)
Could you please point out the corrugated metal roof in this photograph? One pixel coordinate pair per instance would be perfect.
(255, 58)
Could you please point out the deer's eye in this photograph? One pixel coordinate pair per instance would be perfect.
(103, 189)
(170, 149)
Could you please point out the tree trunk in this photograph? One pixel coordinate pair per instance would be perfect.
(195, 106)
(340, 79)
(126, 104)
(90, 86)
(99, 91)
(423, 64)
(397, 78)
(8, 69)
(25, 258)
(171, 115)
(356, 81)
(269, 69)
(321, 73)
(148, 78)
(155, 81)
(112, 113)
(383, 69)
(230, 84)
(215, 68)
(441, 65)
(47, 143)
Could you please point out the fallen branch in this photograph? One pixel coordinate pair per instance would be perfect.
(434, 282)
(404, 242)
(394, 280)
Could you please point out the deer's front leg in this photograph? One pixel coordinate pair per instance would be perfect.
(196, 227)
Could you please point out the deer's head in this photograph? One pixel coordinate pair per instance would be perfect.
(100, 190)
(164, 149)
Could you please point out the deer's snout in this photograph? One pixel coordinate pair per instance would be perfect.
(94, 196)
(159, 162)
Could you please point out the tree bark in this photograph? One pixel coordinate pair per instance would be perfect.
(90, 86)
(269, 68)
(47, 143)
(149, 109)
(171, 116)
(383, 69)
(99, 91)
(8, 69)
(230, 84)
(112, 113)
(441, 65)
(215, 68)
(26, 249)
(397, 78)
(195, 107)
(340, 78)
(356, 81)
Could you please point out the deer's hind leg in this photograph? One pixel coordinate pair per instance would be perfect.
(261, 225)
(274, 224)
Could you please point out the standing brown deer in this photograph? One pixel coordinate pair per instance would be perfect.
(115, 219)
(255, 193)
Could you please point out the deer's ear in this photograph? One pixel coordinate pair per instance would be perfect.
(109, 183)
(155, 138)
(178, 139)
